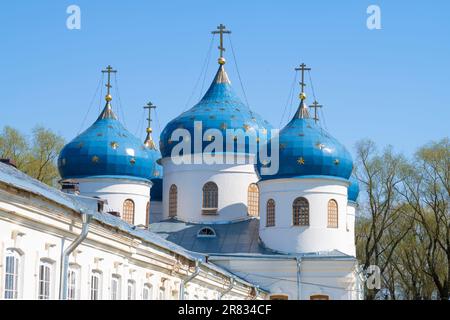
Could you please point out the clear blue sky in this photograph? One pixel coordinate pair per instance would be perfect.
(390, 85)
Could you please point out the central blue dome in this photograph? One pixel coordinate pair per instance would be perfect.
(306, 149)
(220, 108)
(106, 149)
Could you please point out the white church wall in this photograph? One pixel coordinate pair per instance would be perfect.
(232, 181)
(116, 191)
(334, 278)
(286, 237)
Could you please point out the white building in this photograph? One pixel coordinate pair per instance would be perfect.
(133, 223)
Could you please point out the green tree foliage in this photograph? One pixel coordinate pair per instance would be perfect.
(404, 221)
(35, 155)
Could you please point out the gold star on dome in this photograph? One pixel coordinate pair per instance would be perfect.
(132, 161)
(114, 145)
(301, 161)
(282, 146)
(95, 159)
(336, 161)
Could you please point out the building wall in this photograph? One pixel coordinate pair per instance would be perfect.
(116, 191)
(39, 230)
(335, 278)
(156, 211)
(286, 237)
(232, 180)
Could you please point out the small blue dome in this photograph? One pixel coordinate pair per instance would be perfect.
(353, 189)
(306, 149)
(220, 108)
(106, 149)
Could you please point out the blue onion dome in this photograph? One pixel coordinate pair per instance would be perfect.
(353, 189)
(220, 108)
(106, 149)
(306, 149)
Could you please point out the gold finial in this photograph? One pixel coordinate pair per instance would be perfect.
(221, 29)
(149, 140)
(108, 70)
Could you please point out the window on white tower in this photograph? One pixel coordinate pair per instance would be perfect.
(332, 214)
(300, 212)
(173, 200)
(253, 200)
(12, 276)
(45, 279)
(210, 198)
(270, 210)
(115, 287)
(128, 211)
(96, 285)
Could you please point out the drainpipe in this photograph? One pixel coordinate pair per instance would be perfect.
(256, 293)
(189, 279)
(230, 287)
(298, 260)
(86, 218)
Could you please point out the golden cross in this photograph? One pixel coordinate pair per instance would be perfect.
(221, 29)
(315, 105)
(109, 70)
(149, 106)
(302, 68)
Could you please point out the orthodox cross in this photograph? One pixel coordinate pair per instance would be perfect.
(315, 105)
(149, 106)
(303, 68)
(221, 29)
(109, 70)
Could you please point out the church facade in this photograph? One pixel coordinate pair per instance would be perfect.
(200, 218)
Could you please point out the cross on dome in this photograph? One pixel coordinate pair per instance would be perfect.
(221, 29)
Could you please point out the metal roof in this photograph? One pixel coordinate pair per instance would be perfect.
(233, 237)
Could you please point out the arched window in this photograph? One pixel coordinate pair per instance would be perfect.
(128, 211)
(115, 287)
(210, 198)
(173, 195)
(131, 290)
(147, 292)
(300, 212)
(12, 276)
(253, 200)
(319, 297)
(332, 214)
(147, 214)
(96, 285)
(73, 282)
(206, 232)
(270, 210)
(45, 280)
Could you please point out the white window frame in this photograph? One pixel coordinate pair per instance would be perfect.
(45, 280)
(147, 289)
(131, 289)
(13, 292)
(118, 280)
(95, 292)
(73, 282)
